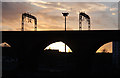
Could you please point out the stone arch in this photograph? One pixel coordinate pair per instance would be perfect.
(105, 48)
(58, 46)
(45, 43)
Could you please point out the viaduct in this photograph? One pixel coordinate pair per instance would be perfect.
(28, 47)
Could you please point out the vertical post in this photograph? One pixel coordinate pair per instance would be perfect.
(65, 31)
(65, 48)
(35, 24)
(88, 24)
(22, 26)
(22, 23)
(35, 28)
(65, 23)
(35, 20)
(65, 15)
(80, 22)
(116, 53)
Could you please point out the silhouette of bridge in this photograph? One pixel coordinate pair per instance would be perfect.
(29, 47)
(78, 41)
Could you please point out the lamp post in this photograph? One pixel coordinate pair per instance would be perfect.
(65, 15)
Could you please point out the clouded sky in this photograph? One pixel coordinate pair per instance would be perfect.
(104, 15)
(61, 0)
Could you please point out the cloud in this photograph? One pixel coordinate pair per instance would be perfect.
(54, 6)
(43, 2)
(87, 7)
(11, 15)
(39, 5)
(61, 0)
(113, 9)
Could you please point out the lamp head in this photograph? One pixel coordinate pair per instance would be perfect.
(65, 14)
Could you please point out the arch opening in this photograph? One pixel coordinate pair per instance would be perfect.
(4, 44)
(106, 48)
(58, 47)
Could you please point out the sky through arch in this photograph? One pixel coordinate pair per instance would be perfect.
(58, 46)
(107, 48)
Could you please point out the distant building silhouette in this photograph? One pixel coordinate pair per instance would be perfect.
(51, 50)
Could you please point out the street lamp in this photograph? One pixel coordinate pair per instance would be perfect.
(65, 15)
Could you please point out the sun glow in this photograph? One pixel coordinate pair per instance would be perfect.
(4, 45)
(58, 46)
(106, 48)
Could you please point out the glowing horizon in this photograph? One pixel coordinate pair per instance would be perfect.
(58, 46)
(107, 47)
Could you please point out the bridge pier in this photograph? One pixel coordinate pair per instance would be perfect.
(116, 54)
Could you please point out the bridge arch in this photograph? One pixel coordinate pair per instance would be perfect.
(105, 48)
(58, 46)
(40, 46)
(4, 44)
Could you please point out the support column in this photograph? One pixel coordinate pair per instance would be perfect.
(116, 54)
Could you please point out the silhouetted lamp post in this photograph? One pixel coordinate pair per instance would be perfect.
(65, 15)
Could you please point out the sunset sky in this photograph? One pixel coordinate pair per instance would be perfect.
(104, 15)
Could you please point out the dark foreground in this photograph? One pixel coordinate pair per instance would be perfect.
(26, 57)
